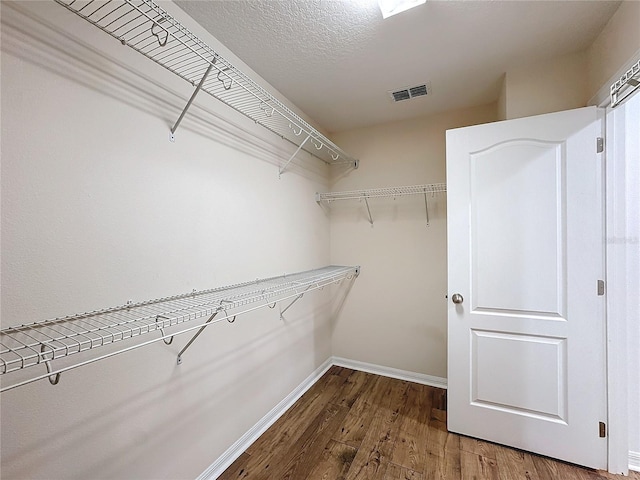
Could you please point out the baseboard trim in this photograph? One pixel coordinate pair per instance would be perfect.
(234, 451)
(391, 372)
(634, 461)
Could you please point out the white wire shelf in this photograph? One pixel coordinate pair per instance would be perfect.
(41, 343)
(626, 85)
(150, 30)
(428, 190)
(388, 192)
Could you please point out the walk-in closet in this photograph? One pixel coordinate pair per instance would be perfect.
(341, 239)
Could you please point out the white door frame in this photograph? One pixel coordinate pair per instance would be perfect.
(617, 355)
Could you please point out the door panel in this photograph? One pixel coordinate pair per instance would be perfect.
(530, 176)
(532, 382)
(525, 245)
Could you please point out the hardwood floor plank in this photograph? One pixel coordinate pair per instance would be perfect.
(410, 448)
(373, 455)
(312, 443)
(477, 467)
(285, 455)
(334, 462)
(440, 441)
(445, 467)
(368, 467)
(396, 472)
(289, 427)
(335, 370)
(236, 469)
(351, 388)
(439, 398)
(549, 469)
(479, 447)
(361, 414)
(515, 464)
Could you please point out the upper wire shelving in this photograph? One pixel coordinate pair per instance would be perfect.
(426, 190)
(626, 85)
(150, 30)
(41, 343)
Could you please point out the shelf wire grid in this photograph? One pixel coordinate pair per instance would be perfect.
(151, 31)
(430, 189)
(627, 84)
(35, 343)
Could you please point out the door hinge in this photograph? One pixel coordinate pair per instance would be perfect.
(600, 288)
(603, 429)
(599, 145)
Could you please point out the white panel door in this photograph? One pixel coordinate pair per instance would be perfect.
(526, 353)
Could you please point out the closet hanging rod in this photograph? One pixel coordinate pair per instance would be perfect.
(432, 188)
(44, 343)
(151, 31)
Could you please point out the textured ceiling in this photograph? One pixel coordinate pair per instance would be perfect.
(336, 59)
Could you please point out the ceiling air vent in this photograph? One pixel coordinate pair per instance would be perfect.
(408, 93)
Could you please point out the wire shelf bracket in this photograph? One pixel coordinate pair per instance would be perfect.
(147, 28)
(191, 99)
(26, 347)
(427, 190)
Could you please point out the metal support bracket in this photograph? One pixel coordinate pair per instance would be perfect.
(284, 167)
(366, 201)
(289, 306)
(426, 207)
(193, 96)
(179, 361)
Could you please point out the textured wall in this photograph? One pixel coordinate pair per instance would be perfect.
(98, 207)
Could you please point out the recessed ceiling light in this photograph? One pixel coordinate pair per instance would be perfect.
(391, 7)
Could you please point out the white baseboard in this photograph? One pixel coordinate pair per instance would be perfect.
(234, 451)
(391, 372)
(634, 461)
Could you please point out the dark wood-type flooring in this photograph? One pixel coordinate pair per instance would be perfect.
(354, 425)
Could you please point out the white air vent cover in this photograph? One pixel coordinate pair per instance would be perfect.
(408, 93)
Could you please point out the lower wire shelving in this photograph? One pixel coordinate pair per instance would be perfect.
(39, 344)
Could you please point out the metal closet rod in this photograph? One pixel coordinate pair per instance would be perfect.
(385, 192)
(151, 31)
(41, 343)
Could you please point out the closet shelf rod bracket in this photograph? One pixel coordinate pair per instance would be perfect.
(193, 96)
(284, 167)
(294, 301)
(426, 207)
(366, 201)
(179, 360)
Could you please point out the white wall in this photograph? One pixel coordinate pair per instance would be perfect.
(617, 43)
(395, 315)
(98, 207)
(553, 85)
